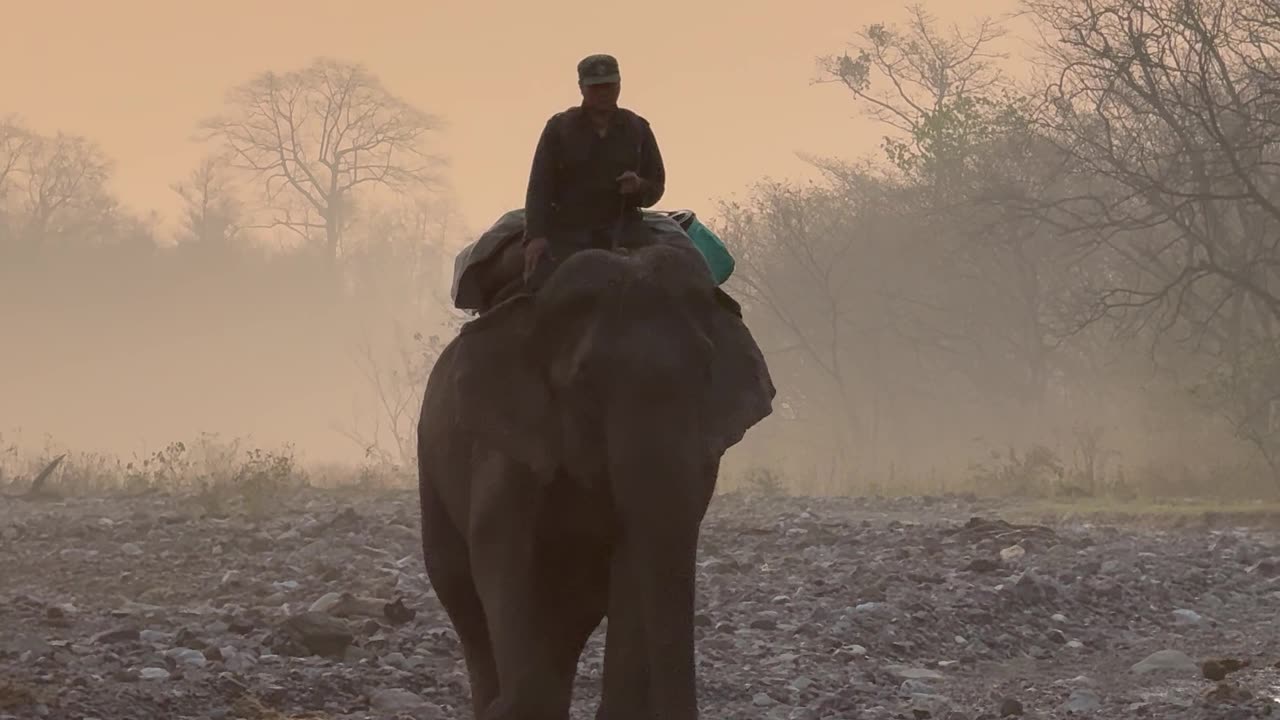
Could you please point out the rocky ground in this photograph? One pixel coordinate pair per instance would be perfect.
(145, 608)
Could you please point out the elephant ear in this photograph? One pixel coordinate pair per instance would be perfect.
(741, 388)
(502, 396)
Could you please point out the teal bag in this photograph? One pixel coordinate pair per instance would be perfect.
(717, 255)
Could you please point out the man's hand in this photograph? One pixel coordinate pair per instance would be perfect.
(533, 251)
(631, 182)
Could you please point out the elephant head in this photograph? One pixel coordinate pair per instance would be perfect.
(634, 373)
(615, 349)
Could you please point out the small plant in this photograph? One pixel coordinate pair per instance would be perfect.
(1035, 473)
(763, 481)
(265, 477)
(167, 468)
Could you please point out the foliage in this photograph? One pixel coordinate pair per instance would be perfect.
(217, 476)
(1046, 265)
(1027, 265)
(1247, 395)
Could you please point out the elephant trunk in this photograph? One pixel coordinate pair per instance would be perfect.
(661, 485)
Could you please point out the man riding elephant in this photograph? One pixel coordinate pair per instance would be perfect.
(570, 436)
(569, 444)
(595, 166)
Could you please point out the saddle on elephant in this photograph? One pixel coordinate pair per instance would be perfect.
(491, 269)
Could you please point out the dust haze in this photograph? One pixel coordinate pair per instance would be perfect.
(1013, 268)
(988, 285)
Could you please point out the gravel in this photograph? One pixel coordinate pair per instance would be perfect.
(809, 608)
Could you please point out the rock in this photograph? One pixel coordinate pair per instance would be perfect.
(319, 633)
(155, 637)
(1082, 702)
(1218, 668)
(325, 603)
(851, 651)
(1174, 661)
(881, 608)
(1012, 553)
(119, 635)
(397, 613)
(982, 565)
(913, 673)
(1010, 707)
(929, 705)
(153, 673)
(1212, 670)
(187, 656)
(397, 700)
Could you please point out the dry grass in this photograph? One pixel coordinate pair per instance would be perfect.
(1155, 513)
(217, 476)
(15, 695)
(251, 708)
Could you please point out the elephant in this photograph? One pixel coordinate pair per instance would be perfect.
(569, 445)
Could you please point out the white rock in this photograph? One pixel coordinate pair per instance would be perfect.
(1166, 660)
(396, 700)
(1013, 552)
(1187, 617)
(153, 673)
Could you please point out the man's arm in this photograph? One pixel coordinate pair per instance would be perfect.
(538, 194)
(651, 169)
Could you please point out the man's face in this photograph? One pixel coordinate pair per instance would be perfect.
(603, 96)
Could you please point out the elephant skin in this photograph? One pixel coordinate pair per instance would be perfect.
(569, 445)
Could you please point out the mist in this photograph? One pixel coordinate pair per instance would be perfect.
(1013, 269)
(998, 298)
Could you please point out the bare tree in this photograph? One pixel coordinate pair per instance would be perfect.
(1169, 112)
(63, 180)
(397, 385)
(986, 278)
(398, 297)
(792, 247)
(1167, 115)
(941, 93)
(400, 251)
(316, 137)
(15, 143)
(211, 213)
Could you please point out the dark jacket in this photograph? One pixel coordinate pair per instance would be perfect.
(573, 182)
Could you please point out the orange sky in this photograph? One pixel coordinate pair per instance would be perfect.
(725, 84)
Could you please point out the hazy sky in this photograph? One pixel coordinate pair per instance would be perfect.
(725, 84)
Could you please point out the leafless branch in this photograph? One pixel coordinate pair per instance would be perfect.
(322, 133)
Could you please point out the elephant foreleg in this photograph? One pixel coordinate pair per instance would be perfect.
(536, 639)
(625, 694)
(661, 495)
(447, 567)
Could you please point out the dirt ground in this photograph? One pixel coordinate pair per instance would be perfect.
(809, 609)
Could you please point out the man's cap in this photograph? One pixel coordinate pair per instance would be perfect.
(598, 69)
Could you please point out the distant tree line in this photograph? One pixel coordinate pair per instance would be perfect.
(1065, 283)
(316, 227)
(1074, 273)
